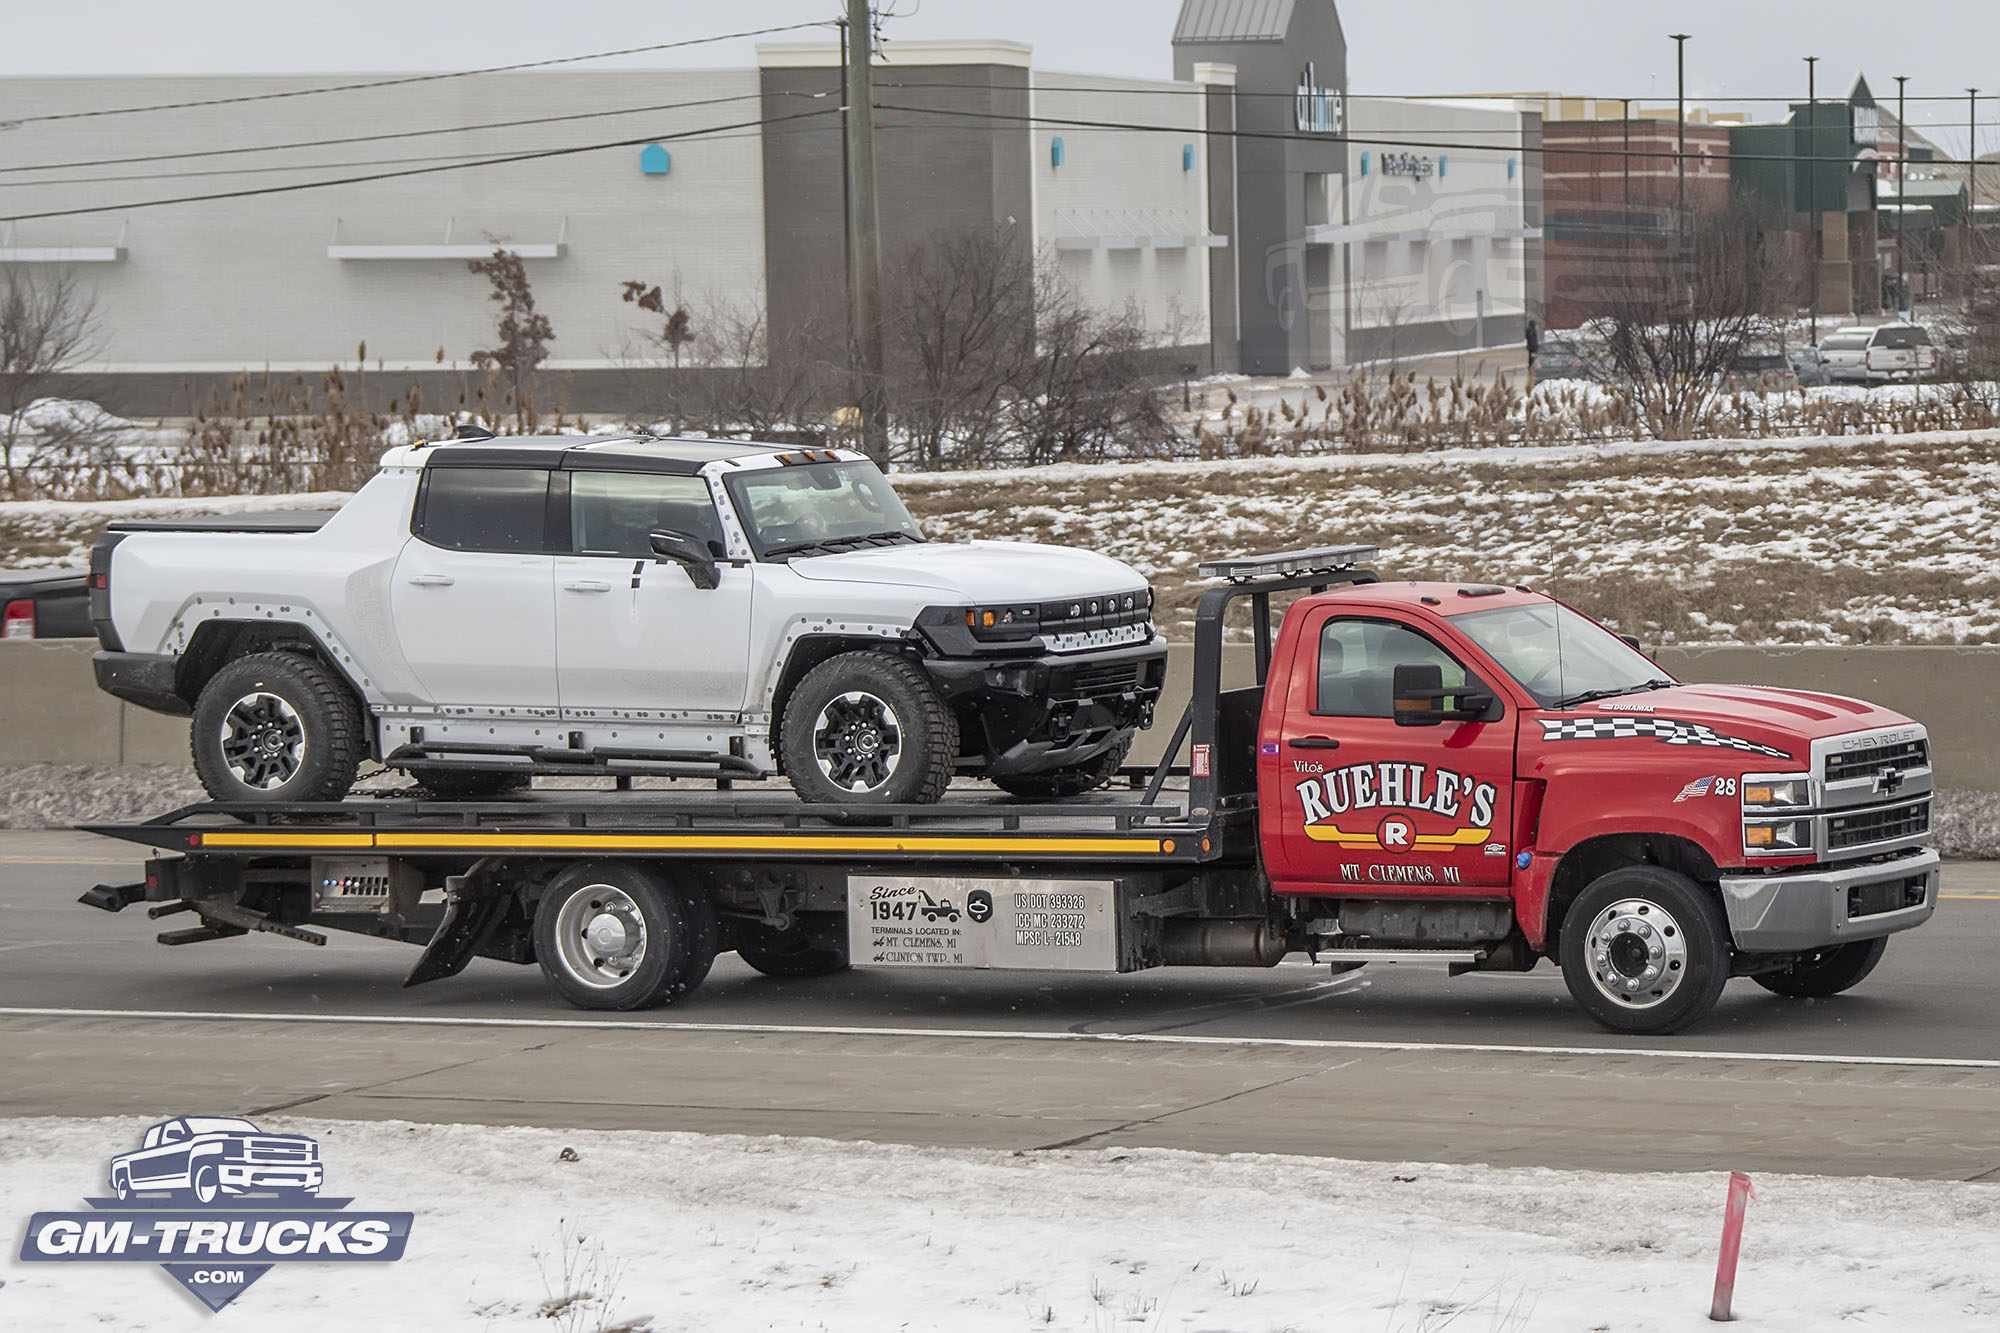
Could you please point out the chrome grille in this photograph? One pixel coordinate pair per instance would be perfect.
(1848, 765)
(1880, 824)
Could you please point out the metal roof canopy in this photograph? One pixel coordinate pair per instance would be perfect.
(1234, 21)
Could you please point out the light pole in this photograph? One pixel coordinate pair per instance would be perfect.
(1681, 117)
(1812, 189)
(1971, 172)
(1902, 220)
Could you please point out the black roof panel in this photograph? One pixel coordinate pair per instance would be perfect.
(596, 453)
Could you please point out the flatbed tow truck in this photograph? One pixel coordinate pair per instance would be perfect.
(1465, 774)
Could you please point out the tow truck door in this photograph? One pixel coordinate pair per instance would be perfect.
(1352, 802)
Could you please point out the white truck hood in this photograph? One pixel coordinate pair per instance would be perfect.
(978, 571)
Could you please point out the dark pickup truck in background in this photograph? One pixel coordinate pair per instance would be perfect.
(45, 604)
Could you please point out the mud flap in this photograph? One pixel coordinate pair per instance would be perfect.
(469, 921)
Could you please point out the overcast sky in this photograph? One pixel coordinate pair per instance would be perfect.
(1608, 48)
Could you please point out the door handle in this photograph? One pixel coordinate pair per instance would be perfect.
(433, 580)
(586, 585)
(1313, 743)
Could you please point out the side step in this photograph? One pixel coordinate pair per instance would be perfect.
(1454, 956)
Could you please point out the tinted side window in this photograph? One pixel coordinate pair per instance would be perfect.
(1357, 666)
(616, 513)
(485, 508)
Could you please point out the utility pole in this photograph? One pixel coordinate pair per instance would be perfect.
(1902, 214)
(1684, 274)
(1971, 174)
(866, 253)
(1812, 189)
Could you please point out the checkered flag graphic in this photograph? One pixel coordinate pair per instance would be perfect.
(1667, 731)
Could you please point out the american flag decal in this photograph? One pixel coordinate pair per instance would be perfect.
(1699, 787)
(1667, 731)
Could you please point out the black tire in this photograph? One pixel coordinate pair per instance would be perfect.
(787, 954)
(610, 935)
(878, 726)
(1655, 964)
(1058, 783)
(1824, 972)
(471, 784)
(277, 727)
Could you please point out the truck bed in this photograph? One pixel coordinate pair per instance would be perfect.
(1105, 826)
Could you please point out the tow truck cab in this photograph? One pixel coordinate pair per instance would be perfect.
(1459, 764)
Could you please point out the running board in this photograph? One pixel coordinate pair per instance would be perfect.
(1453, 956)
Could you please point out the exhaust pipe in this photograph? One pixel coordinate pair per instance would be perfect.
(1188, 942)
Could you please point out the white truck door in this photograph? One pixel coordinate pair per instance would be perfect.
(633, 634)
(474, 593)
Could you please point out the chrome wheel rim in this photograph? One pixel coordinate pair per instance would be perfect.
(263, 741)
(601, 936)
(857, 742)
(1637, 954)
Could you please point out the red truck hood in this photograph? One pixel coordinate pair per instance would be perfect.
(1764, 714)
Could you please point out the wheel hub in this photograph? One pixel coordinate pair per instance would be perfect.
(1638, 955)
(601, 936)
(263, 740)
(857, 741)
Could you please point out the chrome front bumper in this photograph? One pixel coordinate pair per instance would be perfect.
(1791, 911)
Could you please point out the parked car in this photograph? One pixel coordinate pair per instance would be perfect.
(483, 611)
(205, 1157)
(45, 604)
(1844, 352)
(1562, 359)
(1879, 354)
(1762, 365)
(1807, 367)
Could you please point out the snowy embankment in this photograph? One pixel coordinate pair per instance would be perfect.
(693, 1232)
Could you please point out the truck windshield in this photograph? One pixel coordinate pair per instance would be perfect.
(1558, 656)
(814, 507)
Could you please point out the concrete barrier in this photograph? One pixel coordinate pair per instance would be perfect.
(51, 711)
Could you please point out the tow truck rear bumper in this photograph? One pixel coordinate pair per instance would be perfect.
(1815, 908)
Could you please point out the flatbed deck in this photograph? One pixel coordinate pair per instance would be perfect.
(1113, 825)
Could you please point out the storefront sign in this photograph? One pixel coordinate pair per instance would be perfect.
(1316, 108)
(1408, 164)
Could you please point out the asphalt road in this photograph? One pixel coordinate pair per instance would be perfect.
(1901, 1077)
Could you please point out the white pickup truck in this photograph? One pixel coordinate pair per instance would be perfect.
(484, 611)
(1871, 354)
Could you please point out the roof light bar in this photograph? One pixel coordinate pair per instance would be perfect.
(1283, 564)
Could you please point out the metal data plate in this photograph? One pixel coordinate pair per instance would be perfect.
(1064, 925)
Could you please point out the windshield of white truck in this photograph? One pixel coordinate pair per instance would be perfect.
(1560, 657)
(819, 507)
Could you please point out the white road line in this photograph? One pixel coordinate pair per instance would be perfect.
(997, 1034)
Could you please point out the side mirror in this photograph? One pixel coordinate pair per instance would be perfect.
(1631, 641)
(689, 554)
(1420, 696)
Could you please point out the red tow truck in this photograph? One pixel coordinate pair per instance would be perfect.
(1460, 773)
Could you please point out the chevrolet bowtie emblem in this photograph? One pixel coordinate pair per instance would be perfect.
(1888, 781)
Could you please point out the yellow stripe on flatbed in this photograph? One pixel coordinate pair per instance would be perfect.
(668, 842)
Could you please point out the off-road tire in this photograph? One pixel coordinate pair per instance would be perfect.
(1824, 972)
(786, 954)
(1682, 916)
(330, 727)
(1058, 783)
(908, 714)
(643, 957)
(471, 784)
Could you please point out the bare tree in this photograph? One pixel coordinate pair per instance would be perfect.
(1087, 393)
(524, 333)
(960, 320)
(1686, 310)
(48, 324)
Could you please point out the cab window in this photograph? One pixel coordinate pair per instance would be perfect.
(617, 513)
(1358, 661)
(502, 509)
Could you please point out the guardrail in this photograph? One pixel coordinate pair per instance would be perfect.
(51, 711)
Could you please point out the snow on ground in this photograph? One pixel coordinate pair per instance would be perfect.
(695, 1232)
(1837, 540)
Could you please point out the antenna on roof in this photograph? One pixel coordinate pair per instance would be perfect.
(472, 430)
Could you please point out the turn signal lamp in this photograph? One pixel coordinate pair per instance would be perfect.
(1777, 793)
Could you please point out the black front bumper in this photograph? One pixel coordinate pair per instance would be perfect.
(145, 679)
(1036, 713)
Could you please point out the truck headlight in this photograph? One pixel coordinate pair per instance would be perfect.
(1776, 793)
(1003, 622)
(1778, 835)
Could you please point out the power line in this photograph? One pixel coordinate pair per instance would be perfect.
(406, 79)
(412, 171)
(129, 160)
